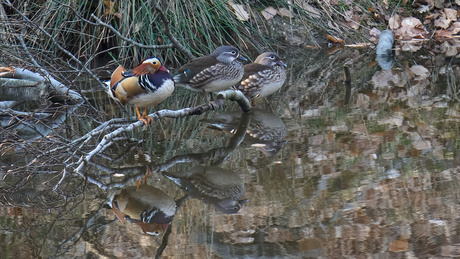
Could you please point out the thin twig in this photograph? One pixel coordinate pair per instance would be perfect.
(57, 86)
(99, 22)
(168, 33)
(108, 139)
(54, 41)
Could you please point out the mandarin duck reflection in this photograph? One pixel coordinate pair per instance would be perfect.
(146, 206)
(263, 77)
(266, 130)
(212, 73)
(146, 85)
(214, 185)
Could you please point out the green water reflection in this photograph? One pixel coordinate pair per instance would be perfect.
(375, 178)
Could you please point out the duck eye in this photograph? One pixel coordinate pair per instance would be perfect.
(233, 52)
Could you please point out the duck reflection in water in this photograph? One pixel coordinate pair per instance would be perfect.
(214, 185)
(266, 130)
(146, 206)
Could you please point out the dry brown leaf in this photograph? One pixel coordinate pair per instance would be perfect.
(420, 72)
(411, 28)
(424, 9)
(240, 12)
(6, 70)
(411, 22)
(362, 101)
(333, 50)
(442, 21)
(411, 46)
(312, 11)
(454, 28)
(285, 13)
(448, 49)
(385, 2)
(397, 119)
(334, 39)
(394, 22)
(374, 32)
(386, 79)
(370, 9)
(353, 20)
(418, 142)
(443, 34)
(399, 246)
(451, 14)
(269, 13)
(419, 33)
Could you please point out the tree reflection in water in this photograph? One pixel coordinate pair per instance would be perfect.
(375, 178)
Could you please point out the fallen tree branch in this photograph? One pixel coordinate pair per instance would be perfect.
(216, 156)
(108, 139)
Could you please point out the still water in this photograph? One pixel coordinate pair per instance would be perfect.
(317, 170)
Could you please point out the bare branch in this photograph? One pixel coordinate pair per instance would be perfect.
(57, 86)
(168, 33)
(99, 22)
(54, 42)
(108, 139)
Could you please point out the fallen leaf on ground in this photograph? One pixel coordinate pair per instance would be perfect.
(240, 12)
(442, 21)
(420, 72)
(353, 20)
(310, 9)
(285, 13)
(387, 79)
(454, 28)
(411, 46)
(451, 14)
(443, 34)
(269, 13)
(449, 50)
(394, 22)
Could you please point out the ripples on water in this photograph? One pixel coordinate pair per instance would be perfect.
(304, 175)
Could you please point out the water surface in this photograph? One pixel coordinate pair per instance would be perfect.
(313, 171)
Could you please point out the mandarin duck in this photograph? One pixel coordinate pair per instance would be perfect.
(263, 77)
(214, 185)
(146, 206)
(212, 73)
(146, 85)
(266, 131)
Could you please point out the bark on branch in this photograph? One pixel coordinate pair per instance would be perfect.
(216, 156)
(108, 139)
(84, 67)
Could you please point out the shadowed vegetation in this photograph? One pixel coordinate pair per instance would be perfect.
(96, 32)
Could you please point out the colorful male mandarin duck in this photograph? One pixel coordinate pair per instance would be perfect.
(263, 77)
(146, 206)
(146, 85)
(213, 73)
